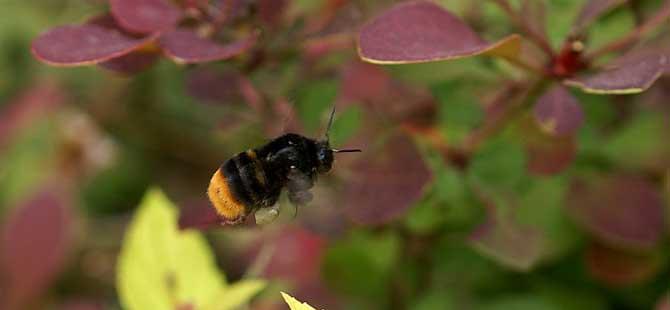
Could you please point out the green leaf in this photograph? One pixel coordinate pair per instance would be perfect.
(425, 217)
(460, 110)
(359, 254)
(345, 125)
(542, 208)
(237, 295)
(500, 166)
(26, 162)
(313, 99)
(520, 302)
(159, 266)
(295, 304)
(643, 144)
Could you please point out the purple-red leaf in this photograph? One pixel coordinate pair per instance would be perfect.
(41, 98)
(623, 212)
(363, 82)
(629, 78)
(508, 242)
(620, 268)
(185, 46)
(198, 215)
(134, 62)
(302, 263)
(84, 45)
(547, 154)
(535, 14)
(558, 113)
(664, 303)
(35, 242)
(271, 11)
(211, 86)
(594, 9)
(641, 53)
(386, 182)
(145, 16)
(422, 31)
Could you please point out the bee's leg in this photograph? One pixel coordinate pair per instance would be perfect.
(240, 219)
(266, 215)
(300, 197)
(298, 181)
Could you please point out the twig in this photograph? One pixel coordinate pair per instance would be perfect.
(633, 36)
(518, 20)
(261, 261)
(512, 105)
(516, 61)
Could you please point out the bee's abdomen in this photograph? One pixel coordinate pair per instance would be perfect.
(225, 199)
(247, 185)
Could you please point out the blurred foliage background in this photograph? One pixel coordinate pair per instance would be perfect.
(524, 221)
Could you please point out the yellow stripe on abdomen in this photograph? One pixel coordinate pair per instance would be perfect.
(225, 204)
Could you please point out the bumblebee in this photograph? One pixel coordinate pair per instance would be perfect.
(253, 180)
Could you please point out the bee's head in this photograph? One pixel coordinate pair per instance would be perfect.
(324, 156)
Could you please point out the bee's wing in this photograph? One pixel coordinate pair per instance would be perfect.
(298, 186)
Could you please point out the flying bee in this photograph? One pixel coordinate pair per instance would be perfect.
(252, 180)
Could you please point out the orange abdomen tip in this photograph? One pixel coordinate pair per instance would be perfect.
(224, 202)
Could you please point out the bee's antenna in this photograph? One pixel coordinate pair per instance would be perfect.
(346, 150)
(330, 123)
(295, 211)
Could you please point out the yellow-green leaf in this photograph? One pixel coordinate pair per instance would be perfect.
(295, 304)
(236, 295)
(161, 267)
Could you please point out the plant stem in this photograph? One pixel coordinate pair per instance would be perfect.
(526, 66)
(633, 36)
(518, 20)
(261, 261)
(511, 107)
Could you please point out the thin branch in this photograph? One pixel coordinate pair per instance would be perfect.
(518, 20)
(633, 36)
(512, 100)
(261, 261)
(517, 62)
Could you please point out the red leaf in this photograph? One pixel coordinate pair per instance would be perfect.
(198, 215)
(35, 243)
(145, 16)
(624, 212)
(81, 304)
(506, 241)
(364, 82)
(271, 11)
(31, 103)
(594, 9)
(83, 45)
(211, 86)
(629, 78)
(385, 183)
(664, 303)
(250, 94)
(132, 63)
(535, 14)
(185, 46)
(642, 53)
(558, 113)
(422, 31)
(549, 155)
(620, 268)
(297, 256)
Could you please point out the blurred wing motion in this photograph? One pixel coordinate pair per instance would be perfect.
(298, 186)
